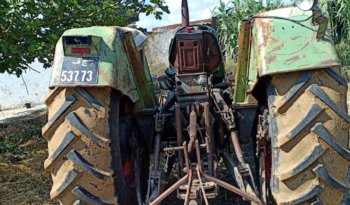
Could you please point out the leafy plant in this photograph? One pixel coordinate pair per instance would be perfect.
(343, 49)
(338, 12)
(231, 14)
(31, 28)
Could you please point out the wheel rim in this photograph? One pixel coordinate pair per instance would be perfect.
(132, 155)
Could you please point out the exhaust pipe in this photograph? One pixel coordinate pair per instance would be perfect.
(185, 14)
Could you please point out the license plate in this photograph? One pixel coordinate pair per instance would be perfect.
(82, 70)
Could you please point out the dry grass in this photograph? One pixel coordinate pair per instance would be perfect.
(22, 176)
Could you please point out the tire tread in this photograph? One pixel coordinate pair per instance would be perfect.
(80, 159)
(316, 88)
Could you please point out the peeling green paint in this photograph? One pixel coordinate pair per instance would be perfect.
(240, 95)
(116, 68)
(280, 41)
(280, 45)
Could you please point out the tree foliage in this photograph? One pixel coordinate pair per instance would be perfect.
(31, 28)
(231, 14)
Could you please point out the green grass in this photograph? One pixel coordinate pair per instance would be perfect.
(17, 142)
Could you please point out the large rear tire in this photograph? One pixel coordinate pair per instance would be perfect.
(308, 126)
(84, 144)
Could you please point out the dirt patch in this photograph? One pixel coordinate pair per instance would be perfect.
(22, 153)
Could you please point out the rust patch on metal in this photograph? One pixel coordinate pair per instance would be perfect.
(328, 62)
(292, 59)
(271, 59)
(265, 27)
(293, 38)
(279, 47)
(104, 75)
(305, 46)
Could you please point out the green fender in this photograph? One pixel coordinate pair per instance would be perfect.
(280, 46)
(121, 65)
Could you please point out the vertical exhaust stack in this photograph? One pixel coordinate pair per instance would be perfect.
(185, 14)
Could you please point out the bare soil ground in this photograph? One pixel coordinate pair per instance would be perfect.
(22, 154)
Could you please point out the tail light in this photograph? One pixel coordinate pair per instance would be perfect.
(80, 50)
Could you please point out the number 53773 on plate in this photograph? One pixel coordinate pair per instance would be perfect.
(83, 70)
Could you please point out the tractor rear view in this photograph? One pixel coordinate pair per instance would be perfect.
(281, 132)
(288, 111)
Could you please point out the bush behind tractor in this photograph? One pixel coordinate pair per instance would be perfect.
(279, 132)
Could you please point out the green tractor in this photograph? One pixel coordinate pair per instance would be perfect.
(280, 134)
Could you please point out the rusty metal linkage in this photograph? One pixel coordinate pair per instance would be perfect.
(197, 169)
(187, 177)
(187, 161)
(170, 190)
(237, 147)
(243, 167)
(234, 189)
(199, 161)
(188, 191)
(209, 141)
(201, 184)
(192, 129)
